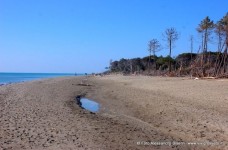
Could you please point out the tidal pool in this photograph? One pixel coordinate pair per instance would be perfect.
(89, 104)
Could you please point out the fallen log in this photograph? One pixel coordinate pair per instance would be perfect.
(208, 78)
(82, 84)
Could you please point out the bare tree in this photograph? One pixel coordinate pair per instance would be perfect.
(154, 46)
(170, 36)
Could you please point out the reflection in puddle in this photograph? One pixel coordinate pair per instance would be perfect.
(89, 104)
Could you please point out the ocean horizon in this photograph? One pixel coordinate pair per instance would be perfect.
(7, 78)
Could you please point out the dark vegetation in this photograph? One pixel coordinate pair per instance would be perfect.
(202, 64)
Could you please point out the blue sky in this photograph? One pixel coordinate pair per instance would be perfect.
(83, 35)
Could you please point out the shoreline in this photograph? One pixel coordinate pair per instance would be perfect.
(46, 78)
(31, 77)
(43, 114)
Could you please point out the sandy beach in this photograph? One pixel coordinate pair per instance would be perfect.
(136, 112)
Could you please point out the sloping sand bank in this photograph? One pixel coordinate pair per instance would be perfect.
(136, 113)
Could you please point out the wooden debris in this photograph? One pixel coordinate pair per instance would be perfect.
(83, 84)
(208, 78)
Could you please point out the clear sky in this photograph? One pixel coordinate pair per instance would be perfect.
(83, 35)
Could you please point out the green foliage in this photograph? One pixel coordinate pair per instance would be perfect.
(206, 24)
(164, 60)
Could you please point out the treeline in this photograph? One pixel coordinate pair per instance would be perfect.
(181, 65)
(150, 64)
(201, 64)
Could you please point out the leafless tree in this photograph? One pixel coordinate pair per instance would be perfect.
(154, 46)
(170, 36)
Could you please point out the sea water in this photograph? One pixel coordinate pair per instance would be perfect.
(6, 78)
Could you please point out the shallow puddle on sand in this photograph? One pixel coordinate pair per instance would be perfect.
(89, 104)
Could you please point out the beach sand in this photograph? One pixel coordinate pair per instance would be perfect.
(137, 112)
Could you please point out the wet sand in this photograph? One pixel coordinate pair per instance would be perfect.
(136, 113)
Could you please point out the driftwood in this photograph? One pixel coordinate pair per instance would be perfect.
(83, 84)
(208, 78)
(223, 76)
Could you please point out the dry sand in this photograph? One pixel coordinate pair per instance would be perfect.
(43, 114)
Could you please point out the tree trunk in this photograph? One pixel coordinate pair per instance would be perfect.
(191, 48)
(170, 51)
(205, 41)
(225, 60)
(149, 63)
